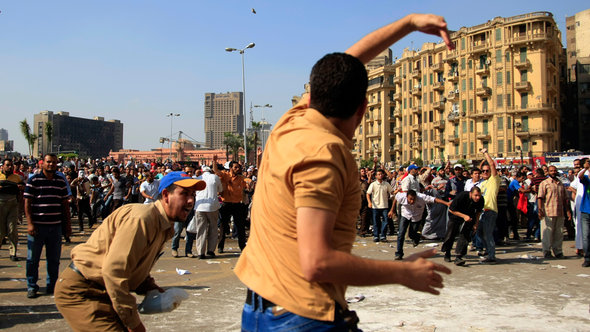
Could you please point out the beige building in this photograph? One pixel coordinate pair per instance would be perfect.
(223, 113)
(498, 89)
(578, 76)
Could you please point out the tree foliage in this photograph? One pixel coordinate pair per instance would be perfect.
(29, 137)
(233, 143)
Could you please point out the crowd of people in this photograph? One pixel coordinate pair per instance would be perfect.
(498, 202)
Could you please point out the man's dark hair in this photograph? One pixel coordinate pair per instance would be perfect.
(474, 189)
(52, 155)
(540, 171)
(380, 170)
(232, 163)
(338, 85)
(412, 193)
(5, 160)
(475, 169)
(583, 161)
(520, 175)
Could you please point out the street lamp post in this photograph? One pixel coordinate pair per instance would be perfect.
(241, 51)
(262, 120)
(171, 116)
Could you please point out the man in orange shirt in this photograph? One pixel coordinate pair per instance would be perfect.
(234, 184)
(298, 261)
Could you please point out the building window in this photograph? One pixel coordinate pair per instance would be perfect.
(471, 83)
(462, 43)
(500, 123)
(456, 148)
(508, 100)
(523, 76)
(507, 56)
(470, 105)
(464, 126)
(499, 56)
(485, 127)
(499, 78)
(463, 85)
(525, 145)
(462, 63)
(509, 147)
(464, 148)
(524, 100)
(464, 105)
(471, 125)
(471, 148)
(500, 100)
(430, 78)
(470, 64)
(509, 122)
(499, 34)
(500, 146)
(525, 123)
(507, 77)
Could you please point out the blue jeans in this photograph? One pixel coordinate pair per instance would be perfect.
(380, 226)
(534, 227)
(255, 318)
(586, 235)
(178, 227)
(401, 234)
(487, 224)
(50, 237)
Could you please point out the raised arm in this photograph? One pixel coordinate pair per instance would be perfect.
(375, 42)
(490, 161)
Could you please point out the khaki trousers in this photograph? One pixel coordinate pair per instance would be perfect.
(206, 231)
(85, 305)
(552, 234)
(8, 223)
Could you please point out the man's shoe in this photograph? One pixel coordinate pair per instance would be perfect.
(202, 256)
(384, 240)
(488, 260)
(174, 253)
(586, 264)
(448, 258)
(210, 253)
(220, 250)
(375, 240)
(415, 244)
(482, 253)
(579, 252)
(547, 255)
(49, 291)
(398, 257)
(560, 256)
(459, 261)
(31, 294)
(190, 255)
(14, 258)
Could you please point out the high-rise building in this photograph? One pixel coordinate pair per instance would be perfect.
(223, 113)
(88, 137)
(577, 118)
(499, 89)
(3, 134)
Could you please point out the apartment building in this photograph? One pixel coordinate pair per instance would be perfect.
(223, 113)
(499, 89)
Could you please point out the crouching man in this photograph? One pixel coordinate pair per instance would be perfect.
(94, 292)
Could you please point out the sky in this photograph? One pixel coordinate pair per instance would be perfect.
(137, 61)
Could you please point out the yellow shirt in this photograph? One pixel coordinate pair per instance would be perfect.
(307, 163)
(489, 190)
(121, 252)
(9, 189)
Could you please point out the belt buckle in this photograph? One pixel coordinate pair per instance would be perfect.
(277, 310)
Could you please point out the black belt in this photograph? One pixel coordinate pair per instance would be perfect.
(73, 267)
(250, 295)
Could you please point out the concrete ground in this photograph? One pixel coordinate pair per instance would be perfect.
(523, 292)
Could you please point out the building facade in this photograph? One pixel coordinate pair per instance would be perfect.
(223, 113)
(88, 137)
(577, 118)
(499, 89)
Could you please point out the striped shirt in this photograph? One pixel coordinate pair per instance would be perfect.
(47, 198)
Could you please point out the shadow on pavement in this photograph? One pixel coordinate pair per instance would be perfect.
(27, 314)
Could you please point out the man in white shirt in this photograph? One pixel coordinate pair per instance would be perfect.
(410, 182)
(206, 213)
(378, 200)
(412, 207)
(149, 188)
(474, 181)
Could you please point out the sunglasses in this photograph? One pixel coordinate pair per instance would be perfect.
(485, 171)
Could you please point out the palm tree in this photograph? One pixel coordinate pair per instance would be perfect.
(233, 142)
(29, 137)
(49, 134)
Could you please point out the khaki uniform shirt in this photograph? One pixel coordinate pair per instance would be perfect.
(553, 194)
(233, 187)
(307, 163)
(121, 252)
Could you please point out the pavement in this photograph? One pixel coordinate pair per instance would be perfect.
(523, 292)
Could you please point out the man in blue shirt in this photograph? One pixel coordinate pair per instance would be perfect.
(585, 213)
(514, 188)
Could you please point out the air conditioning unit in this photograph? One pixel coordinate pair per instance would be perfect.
(518, 124)
(456, 91)
(462, 113)
(488, 62)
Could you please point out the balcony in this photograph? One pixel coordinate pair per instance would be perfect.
(416, 109)
(527, 132)
(415, 145)
(416, 127)
(397, 147)
(522, 38)
(438, 105)
(484, 91)
(453, 76)
(520, 64)
(454, 117)
(397, 112)
(439, 142)
(437, 67)
(439, 86)
(483, 71)
(522, 86)
(415, 73)
(482, 47)
(483, 135)
(397, 130)
(485, 113)
(397, 96)
(453, 95)
(373, 134)
(453, 139)
(439, 124)
(417, 91)
(397, 80)
(451, 56)
(535, 108)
